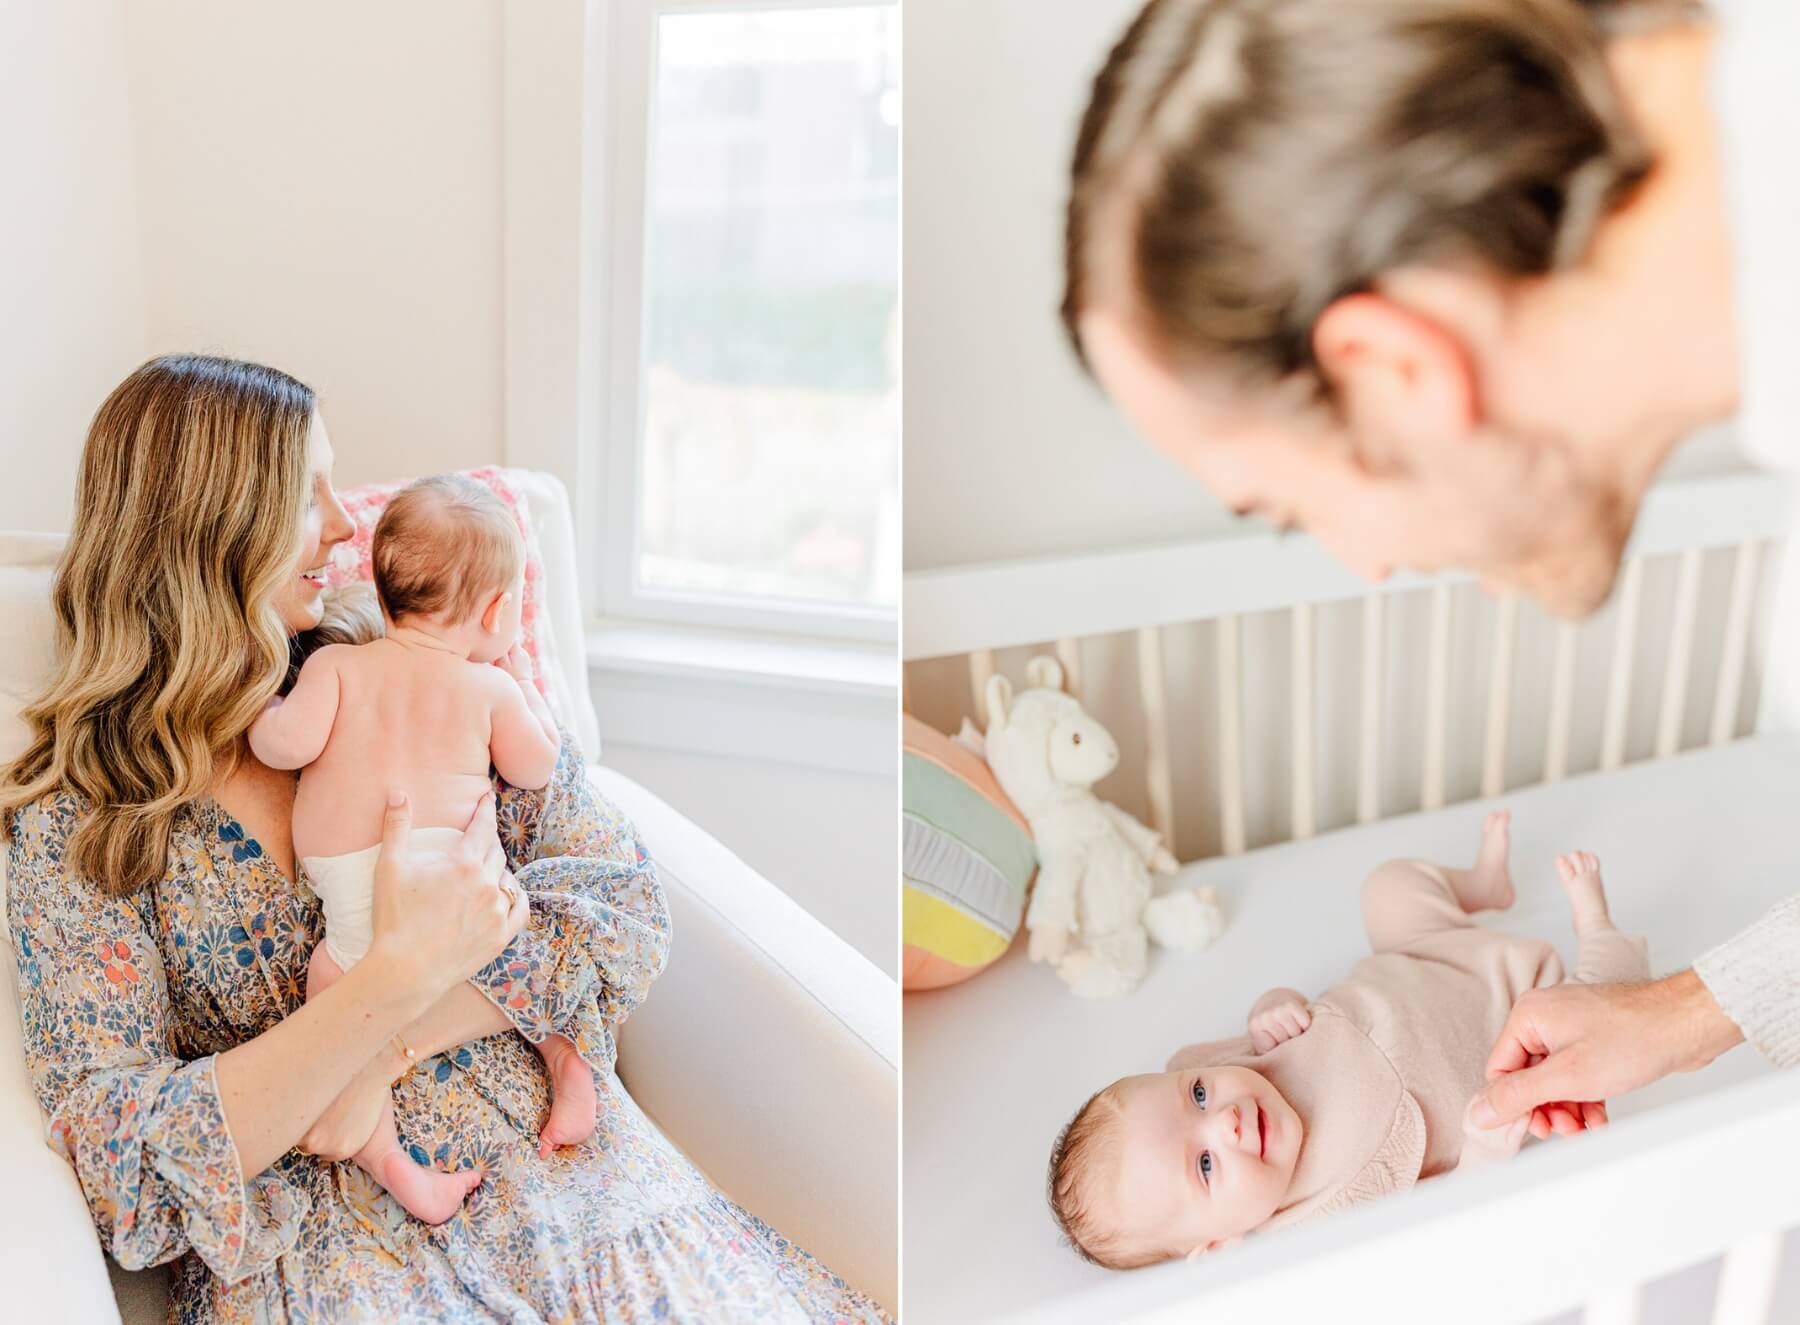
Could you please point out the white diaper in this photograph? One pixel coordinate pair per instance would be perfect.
(346, 885)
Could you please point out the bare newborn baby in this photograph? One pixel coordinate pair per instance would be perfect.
(1359, 1093)
(424, 710)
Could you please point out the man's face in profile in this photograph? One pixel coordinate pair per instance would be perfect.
(1393, 479)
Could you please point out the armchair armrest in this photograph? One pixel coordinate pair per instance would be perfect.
(763, 1007)
(50, 1257)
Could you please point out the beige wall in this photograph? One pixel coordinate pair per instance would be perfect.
(348, 158)
(71, 287)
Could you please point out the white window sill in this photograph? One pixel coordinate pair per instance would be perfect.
(745, 657)
(823, 705)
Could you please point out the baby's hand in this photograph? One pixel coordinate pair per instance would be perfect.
(1272, 1022)
(516, 663)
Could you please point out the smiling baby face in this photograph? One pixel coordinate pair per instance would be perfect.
(1165, 1165)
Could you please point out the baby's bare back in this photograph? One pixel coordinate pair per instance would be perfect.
(409, 720)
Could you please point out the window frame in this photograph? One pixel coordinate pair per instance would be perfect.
(631, 68)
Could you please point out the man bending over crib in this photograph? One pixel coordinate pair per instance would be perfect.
(1360, 1092)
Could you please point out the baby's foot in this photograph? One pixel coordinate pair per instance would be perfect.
(426, 1193)
(572, 1099)
(1580, 875)
(1488, 885)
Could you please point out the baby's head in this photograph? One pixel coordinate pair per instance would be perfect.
(447, 553)
(1173, 1164)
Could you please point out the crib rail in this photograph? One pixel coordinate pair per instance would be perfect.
(1598, 1219)
(1069, 604)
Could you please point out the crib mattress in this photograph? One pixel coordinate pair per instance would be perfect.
(1694, 848)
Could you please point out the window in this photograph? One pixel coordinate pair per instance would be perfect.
(755, 456)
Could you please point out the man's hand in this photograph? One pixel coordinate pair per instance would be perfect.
(1279, 1015)
(1565, 1050)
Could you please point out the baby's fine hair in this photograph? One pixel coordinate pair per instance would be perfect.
(1244, 163)
(443, 545)
(1084, 1146)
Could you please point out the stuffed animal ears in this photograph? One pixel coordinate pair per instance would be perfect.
(999, 701)
(1044, 672)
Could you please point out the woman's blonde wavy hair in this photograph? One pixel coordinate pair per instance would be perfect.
(188, 507)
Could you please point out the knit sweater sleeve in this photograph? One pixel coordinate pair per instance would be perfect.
(1756, 979)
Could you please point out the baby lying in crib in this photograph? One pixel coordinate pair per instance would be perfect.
(1362, 1092)
(423, 710)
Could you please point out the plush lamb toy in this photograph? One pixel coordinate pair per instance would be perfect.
(1092, 912)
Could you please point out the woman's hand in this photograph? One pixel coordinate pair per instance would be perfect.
(440, 917)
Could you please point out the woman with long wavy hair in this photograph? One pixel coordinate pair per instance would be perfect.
(162, 934)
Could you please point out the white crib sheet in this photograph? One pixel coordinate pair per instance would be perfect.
(1693, 848)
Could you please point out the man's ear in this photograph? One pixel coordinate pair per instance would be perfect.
(1403, 381)
(490, 618)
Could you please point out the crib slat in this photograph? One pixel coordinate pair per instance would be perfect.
(981, 667)
(1737, 644)
(1499, 709)
(1301, 678)
(1068, 653)
(1368, 789)
(1562, 704)
(1157, 778)
(1621, 1306)
(1231, 737)
(1437, 700)
(1680, 656)
(1747, 1276)
(1624, 654)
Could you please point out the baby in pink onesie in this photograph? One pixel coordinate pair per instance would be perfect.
(423, 710)
(1359, 1092)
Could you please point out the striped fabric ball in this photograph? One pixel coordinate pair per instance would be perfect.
(968, 860)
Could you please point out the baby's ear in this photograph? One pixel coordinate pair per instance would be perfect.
(490, 619)
(1217, 1244)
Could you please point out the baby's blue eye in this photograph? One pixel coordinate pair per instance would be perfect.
(1206, 1163)
(1199, 1094)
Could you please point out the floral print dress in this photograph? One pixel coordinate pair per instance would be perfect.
(127, 1000)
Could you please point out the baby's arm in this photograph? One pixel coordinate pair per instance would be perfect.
(292, 732)
(1278, 1015)
(523, 740)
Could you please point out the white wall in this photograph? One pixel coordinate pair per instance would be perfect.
(1010, 452)
(71, 289)
(319, 188)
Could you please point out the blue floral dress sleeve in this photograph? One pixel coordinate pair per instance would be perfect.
(143, 1127)
(599, 928)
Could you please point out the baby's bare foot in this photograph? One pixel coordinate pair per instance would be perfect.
(1580, 875)
(1488, 885)
(427, 1193)
(572, 1099)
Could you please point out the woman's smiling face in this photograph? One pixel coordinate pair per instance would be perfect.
(323, 525)
(1204, 1156)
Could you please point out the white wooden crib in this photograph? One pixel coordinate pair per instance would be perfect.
(1286, 728)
